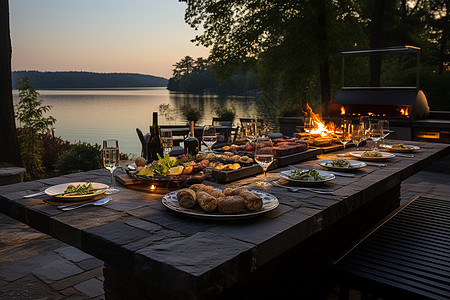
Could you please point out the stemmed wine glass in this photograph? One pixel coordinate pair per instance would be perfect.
(375, 133)
(308, 124)
(111, 160)
(167, 141)
(264, 153)
(209, 136)
(250, 131)
(384, 124)
(345, 137)
(358, 135)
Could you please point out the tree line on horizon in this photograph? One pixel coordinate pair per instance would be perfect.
(197, 76)
(78, 79)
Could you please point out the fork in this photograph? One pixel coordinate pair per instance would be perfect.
(296, 189)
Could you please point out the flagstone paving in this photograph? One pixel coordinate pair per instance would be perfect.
(35, 266)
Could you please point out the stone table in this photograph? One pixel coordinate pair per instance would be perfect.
(152, 252)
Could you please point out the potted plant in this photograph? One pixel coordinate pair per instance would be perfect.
(225, 113)
(191, 113)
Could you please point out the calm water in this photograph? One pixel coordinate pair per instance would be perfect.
(94, 115)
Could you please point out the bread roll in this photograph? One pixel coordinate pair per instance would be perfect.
(206, 201)
(197, 186)
(229, 191)
(252, 201)
(231, 204)
(187, 198)
(215, 193)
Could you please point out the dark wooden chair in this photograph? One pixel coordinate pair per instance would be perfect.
(407, 256)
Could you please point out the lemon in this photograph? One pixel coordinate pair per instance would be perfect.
(146, 172)
(176, 170)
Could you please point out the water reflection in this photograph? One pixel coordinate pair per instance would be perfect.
(93, 115)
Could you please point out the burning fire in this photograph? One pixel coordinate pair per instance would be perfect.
(342, 110)
(404, 112)
(320, 128)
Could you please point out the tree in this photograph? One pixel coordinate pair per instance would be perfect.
(292, 44)
(9, 146)
(30, 113)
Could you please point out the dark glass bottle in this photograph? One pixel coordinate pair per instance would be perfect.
(155, 145)
(191, 143)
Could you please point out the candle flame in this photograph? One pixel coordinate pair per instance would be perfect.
(342, 110)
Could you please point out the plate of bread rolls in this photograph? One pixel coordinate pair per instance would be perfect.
(205, 201)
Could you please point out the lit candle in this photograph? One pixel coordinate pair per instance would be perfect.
(152, 188)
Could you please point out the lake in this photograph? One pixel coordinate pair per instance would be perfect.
(94, 115)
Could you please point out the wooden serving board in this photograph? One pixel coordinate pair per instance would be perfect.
(125, 179)
(297, 157)
(232, 175)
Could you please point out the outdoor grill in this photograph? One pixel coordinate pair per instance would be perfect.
(406, 108)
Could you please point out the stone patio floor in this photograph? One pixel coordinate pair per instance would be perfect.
(35, 266)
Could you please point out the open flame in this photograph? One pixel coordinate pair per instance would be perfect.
(342, 110)
(404, 112)
(320, 128)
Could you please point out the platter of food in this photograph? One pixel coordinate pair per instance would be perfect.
(167, 171)
(307, 177)
(76, 191)
(399, 148)
(372, 155)
(204, 201)
(341, 164)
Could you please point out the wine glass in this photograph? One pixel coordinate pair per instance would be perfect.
(167, 141)
(358, 135)
(375, 133)
(111, 160)
(364, 121)
(264, 153)
(250, 131)
(308, 124)
(384, 124)
(209, 136)
(345, 136)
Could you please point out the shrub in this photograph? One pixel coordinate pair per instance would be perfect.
(53, 148)
(225, 113)
(81, 157)
(191, 113)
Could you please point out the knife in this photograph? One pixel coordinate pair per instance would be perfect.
(342, 174)
(376, 165)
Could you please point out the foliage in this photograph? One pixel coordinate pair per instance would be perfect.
(73, 79)
(200, 78)
(165, 109)
(191, 113)
(225, 113)
(294, 45)
(81, 157)
(30, 113)
(53, 148)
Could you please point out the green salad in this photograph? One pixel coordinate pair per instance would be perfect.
(80, 189)
(341, 163)
(307, 175)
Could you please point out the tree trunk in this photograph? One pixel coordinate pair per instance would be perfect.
(324, 67)
(9, 145)
(375, 42)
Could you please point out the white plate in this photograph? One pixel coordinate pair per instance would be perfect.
(60, 188)
(355, 165)
(270, 202)
(358, 154)
(409, 148)
(327, 177)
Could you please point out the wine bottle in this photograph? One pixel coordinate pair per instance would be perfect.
(155, 145)
(191, 143)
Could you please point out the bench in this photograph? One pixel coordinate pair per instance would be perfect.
(407, 256)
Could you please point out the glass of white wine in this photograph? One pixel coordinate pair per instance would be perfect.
(209, 136)
(345, 135)
(111, 160)
(264, 153)
(167, 141)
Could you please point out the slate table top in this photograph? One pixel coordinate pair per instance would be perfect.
(135, 232)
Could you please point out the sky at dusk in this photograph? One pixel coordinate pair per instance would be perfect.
(136, 36)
